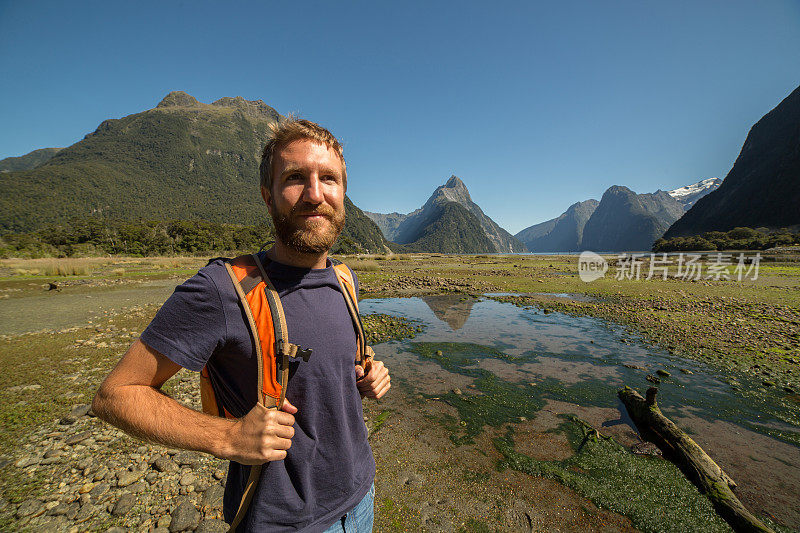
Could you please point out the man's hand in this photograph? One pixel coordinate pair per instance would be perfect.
(375, 383)
(262, 435)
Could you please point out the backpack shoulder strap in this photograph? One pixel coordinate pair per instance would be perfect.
(249, 275)
(345, 277)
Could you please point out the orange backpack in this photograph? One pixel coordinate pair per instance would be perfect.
(267, 323)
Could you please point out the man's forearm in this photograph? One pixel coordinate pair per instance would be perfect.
(131, 399)
(148, 413)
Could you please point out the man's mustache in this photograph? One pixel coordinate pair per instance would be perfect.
(307, 209)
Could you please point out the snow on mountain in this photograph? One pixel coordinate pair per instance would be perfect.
(689, 194)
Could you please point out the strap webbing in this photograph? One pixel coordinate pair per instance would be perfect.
(365, 352)
(282, 346)
(276, 309)
(253, 329)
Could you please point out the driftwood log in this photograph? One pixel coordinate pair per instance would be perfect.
(690, 458)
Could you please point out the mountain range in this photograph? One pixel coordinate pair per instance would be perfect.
(621, 220)
(29, 160)
(180, 160)
(193, 161)
(689, 194)
(448, 222)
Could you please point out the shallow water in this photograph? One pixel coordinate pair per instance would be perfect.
(579, 363)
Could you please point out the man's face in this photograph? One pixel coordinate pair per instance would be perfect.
(307, 197)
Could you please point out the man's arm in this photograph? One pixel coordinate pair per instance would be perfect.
(130, 398)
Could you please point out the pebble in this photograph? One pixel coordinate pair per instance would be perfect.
(129, 477)
(29, 508)
(100, 474)
(52, 504)
(188, 479)
(79, 411)
(85, 513)
(80, 437)
(212, 497)
(138, 487)
(54, 523)
(165, 464)
(124, 504)
(60, 509)
(27, 460)
(99, 490)
(184, 517)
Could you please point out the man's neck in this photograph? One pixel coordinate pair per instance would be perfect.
(288, 256)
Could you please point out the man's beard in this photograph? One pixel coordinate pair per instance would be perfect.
(308, 236)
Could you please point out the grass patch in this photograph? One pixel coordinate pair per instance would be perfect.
(365, 266)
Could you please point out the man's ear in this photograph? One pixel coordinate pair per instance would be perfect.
(265, 194)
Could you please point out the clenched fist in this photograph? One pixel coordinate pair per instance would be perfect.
(375, 383)
(262, 435)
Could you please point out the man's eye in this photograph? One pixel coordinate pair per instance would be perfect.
(294, 177)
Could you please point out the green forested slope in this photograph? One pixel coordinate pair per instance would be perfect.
(182, 160)
(453, 231)
(27, 161)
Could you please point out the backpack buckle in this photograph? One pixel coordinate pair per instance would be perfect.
(293, 350)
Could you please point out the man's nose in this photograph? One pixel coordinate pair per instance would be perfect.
(313, 191)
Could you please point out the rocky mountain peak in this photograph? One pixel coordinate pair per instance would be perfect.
(178, 98)
(453, 190)
(455, 183)
(252, 108)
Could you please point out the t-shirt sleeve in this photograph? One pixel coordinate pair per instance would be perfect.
(190, 325)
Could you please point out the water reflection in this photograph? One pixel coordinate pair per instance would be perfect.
(451, 308)
(579, 363)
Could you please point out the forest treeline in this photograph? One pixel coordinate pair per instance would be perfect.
(735, 239)
(94, 236)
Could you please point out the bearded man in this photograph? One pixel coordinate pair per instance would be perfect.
(318, 469)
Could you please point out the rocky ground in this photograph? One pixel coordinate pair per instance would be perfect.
(65, 470)
(80, 474)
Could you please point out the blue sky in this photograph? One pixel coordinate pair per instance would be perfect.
(534, 105)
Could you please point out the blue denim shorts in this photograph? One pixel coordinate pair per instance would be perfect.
(359, 519)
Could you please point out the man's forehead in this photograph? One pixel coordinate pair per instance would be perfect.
(307, 151)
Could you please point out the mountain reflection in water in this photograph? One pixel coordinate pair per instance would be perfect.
(451, 308)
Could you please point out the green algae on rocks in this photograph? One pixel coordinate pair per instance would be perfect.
(379, 327)
(494, 401)
(651, 491)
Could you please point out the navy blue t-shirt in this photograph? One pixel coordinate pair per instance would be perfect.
(330, 466)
